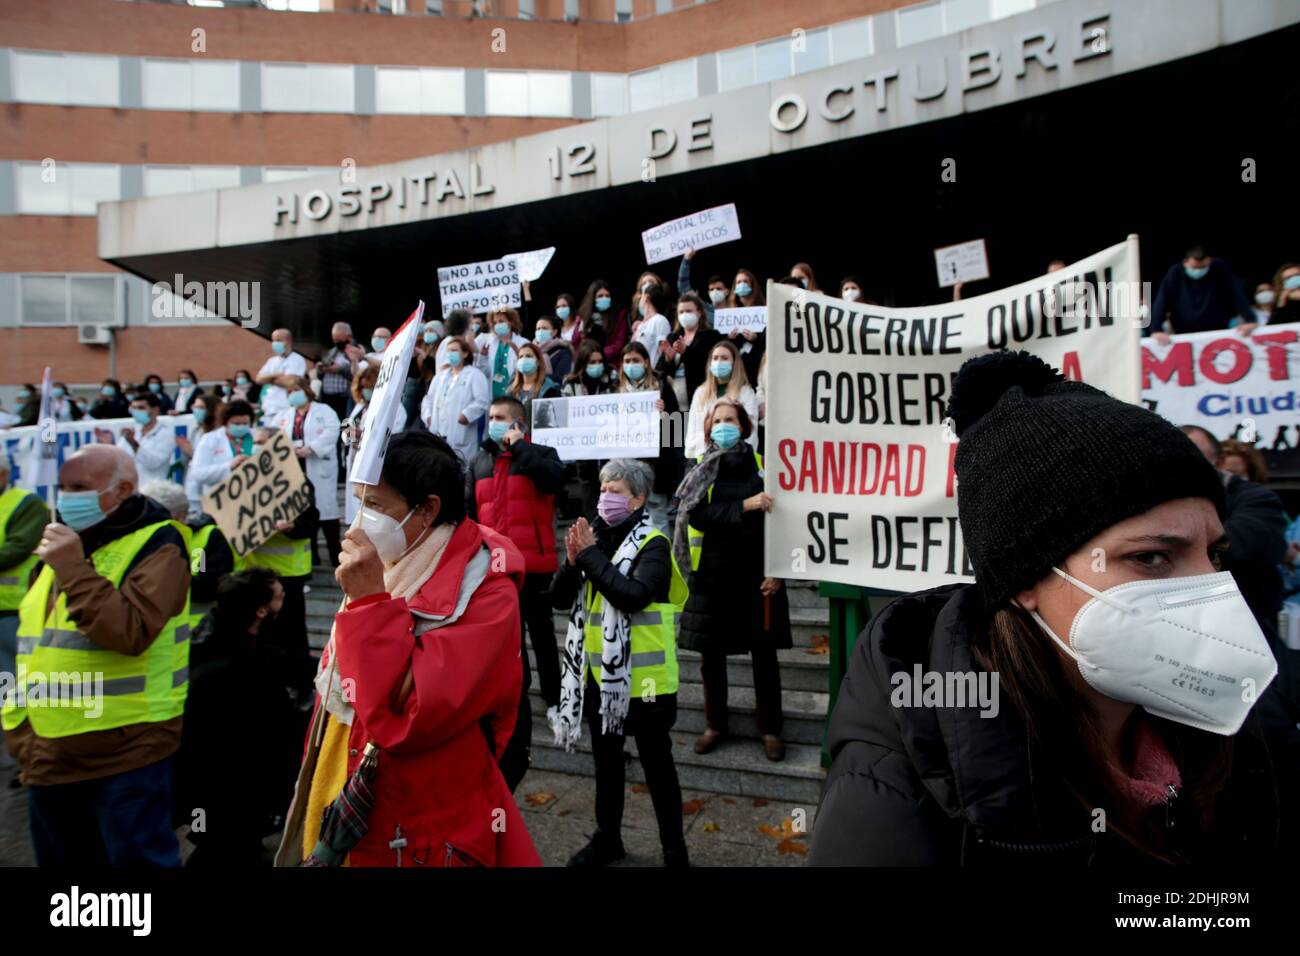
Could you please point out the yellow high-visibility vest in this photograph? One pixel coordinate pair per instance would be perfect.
(70, 685)
(694, 538)
(13, 581)
(287, 557)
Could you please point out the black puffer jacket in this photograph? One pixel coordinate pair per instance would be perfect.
(726, 609)
(929, 786)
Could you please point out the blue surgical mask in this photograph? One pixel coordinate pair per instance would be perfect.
(141, 417)
(721, 370)
(80, 509)
(596, 371)
(640, 308)
(367, 393)
(277, 348)
(108, 391)
(298, 399)
(242, 381)
(155, 387)
(743, 289)
(562, 311)
(239, 431)
(430, 338)
(186, 382)
(725, 435)
(55, 391)
(543, 336)
(200, 414)
(497, 430)
(1291, 282)
(502, 329)
(453, 358)
(634, 370)
(528, 365)
(1196, 273)
(377, 343)
(603, 302)
(476, 328)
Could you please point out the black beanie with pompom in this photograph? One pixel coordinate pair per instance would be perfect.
(1044, 464)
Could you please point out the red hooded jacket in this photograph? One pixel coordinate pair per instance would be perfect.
(437, 777)
(513, 492)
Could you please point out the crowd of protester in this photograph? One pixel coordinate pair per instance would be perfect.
(660, 554)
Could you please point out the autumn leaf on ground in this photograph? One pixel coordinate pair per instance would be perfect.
(692, 806)
(768, 830)
(792, 845)
(820, 645)
(539, 799)
(785, 831)
(728, 801)
(562, 813)
(640, 788)
(760, 802)
(711, 827)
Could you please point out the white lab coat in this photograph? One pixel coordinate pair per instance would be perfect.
(320, 433)
(696, 440)
(273, 398)
(486, 363)
(452, 394)
(182, 396)
(209, 466)
(153, 458)
(653, 331)
(350, 504)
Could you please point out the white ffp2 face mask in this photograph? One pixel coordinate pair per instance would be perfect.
(1186, 649)
(385, 533)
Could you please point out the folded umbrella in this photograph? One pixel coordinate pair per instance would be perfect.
(347, 819)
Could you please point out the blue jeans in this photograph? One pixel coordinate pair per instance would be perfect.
(122, 820)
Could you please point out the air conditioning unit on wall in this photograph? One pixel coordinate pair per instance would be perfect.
(94, 335)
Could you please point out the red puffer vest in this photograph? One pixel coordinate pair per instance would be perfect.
(511, 505)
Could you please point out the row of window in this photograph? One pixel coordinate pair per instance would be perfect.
(59, 299)
(73, 189)
(92, 80)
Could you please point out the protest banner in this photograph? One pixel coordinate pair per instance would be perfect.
(531, 265)
(480, 286)
(377, 425)
(753, 319)
(859, 456)
(964, 262)
(25, 446)
(699, 230)
(269, 487)
(624, 425)
(1233, 387)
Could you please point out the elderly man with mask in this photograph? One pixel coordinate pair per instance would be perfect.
(103, 665)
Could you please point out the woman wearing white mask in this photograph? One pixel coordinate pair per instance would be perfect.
(363, 389)
(457, 398)
(726, 377)
(1107, 666)
(653, 324)
(684, 356)
(313, 430)
(851, 290)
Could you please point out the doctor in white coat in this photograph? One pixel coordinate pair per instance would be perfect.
(217, 451)
(497, 348)
(313, 430)
(457, 398)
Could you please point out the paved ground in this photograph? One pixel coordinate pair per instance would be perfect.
(721, 830)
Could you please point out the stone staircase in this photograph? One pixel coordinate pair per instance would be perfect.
(738, 764)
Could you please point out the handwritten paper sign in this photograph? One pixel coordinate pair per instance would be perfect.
(268, 488)
(964, 262)
(699, 230)
(753, 319)
(531, 265)
(480, 286)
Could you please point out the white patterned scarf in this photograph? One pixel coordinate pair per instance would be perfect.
(615, 654)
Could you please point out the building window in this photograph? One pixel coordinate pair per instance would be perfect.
(526, 10)
(678, 81)
(735, 68)
(66, 79)
(307, 88)
(851, 41)
(919, 23)
(962, 14)
(772, 59)
(663, 6)
(433, 8)
(1009, 8)
(608, 94)
(529, 93)
(622, 11)
(816, 52)
(69, 299)
(66, 188)
(644, 91)
(401, 89)
(571, 9)
(278, 174)
(191, 85)
(168, 180)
